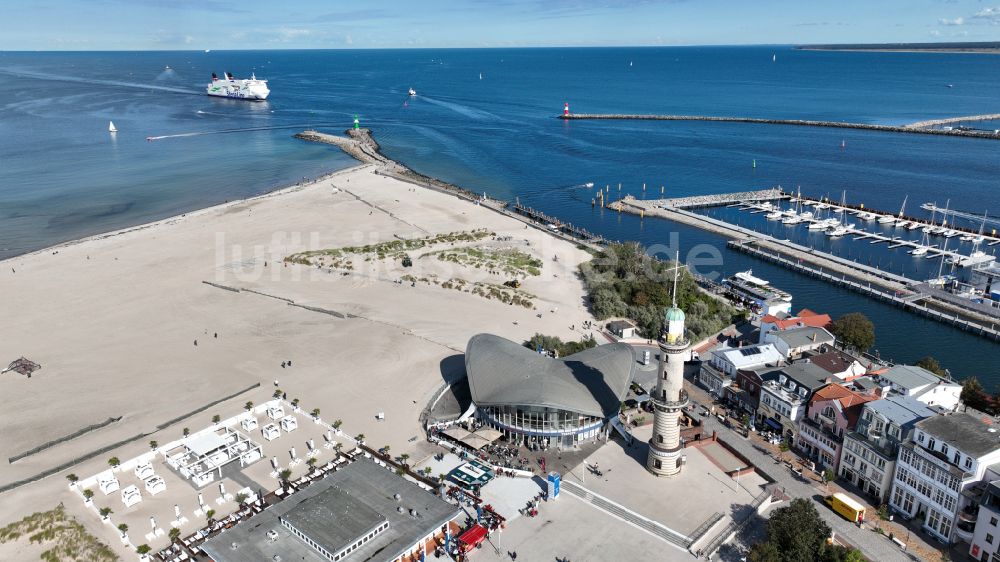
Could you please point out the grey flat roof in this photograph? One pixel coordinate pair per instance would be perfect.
(365, 483)
(967, 433)
(592, 382)
(902, 410)
(798, 337)
(911, 376)
(334, 518)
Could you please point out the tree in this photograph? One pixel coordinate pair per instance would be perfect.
(73, 478)
(105, 512)
(312, 464)
(797, 532)
(186, 432)
(403, 458)
(315, 413)
(360, 438)
(337, 423)
(88, 494)
(765, 552)
(277, 393)
(427, 471)
(248, 406)
(407, 262)
(143, 549)
(216, 418)
(241, 498)
(783, 447)
(828, 476)
(114, 462)
(284, 476)
(854, 330)
(384, 450)
(210, 516)
(174, 534)
(974, 396)
(123, 528)
(932, 365)
(154, 444)
(295, 403)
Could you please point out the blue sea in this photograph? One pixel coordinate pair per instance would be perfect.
(62, 176)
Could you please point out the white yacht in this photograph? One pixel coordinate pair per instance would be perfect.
(774, 215)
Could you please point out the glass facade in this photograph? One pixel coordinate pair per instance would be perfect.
(542, 421)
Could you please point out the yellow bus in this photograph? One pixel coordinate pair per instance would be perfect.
(846, 506)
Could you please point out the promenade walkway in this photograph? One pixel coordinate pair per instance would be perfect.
(874, 546)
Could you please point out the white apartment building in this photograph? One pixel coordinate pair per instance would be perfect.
(869, 456)
(938, 474)
(921, 384)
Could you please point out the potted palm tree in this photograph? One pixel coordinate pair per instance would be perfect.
(284, 476)
(174, 534)
(154, 444)
(73, 479)
(105, 513)
(143, 551)
(88, 495)
(114, 463)
(124, 530)
(248, 406)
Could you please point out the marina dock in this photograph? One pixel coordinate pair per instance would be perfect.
(865, 279)
(915, 128)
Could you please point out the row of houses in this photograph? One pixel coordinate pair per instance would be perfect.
(898, 434)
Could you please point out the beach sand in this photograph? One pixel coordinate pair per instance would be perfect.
(113, 322)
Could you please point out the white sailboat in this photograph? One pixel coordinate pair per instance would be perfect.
(111, 127)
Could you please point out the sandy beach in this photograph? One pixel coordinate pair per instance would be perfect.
(153, 322)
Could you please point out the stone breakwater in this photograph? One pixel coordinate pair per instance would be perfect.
(716, 200)
(910, 129)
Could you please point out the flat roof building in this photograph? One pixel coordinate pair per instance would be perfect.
(922, 385)
(560, 401)
(362, 512)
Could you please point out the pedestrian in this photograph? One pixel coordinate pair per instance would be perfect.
(289, 362)
(196, 343)
(216, 335)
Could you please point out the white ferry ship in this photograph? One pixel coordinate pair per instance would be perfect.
(229, 87)
(758, 294)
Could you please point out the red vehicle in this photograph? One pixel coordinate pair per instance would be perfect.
(473, 537)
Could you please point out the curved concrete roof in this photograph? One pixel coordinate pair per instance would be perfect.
(592, 382)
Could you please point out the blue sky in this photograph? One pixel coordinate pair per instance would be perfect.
(276, 24)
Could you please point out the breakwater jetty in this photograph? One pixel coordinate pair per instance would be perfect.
(361, 145)
(718, 200)
(916, 128)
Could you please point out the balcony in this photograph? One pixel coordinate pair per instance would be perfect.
(785, 395)
(823, 428)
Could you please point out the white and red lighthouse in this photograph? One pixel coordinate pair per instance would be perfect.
(566, 110)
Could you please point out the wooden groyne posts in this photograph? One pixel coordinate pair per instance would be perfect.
(553, 223)
(911, 129)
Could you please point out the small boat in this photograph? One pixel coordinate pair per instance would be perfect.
(167, 67)
(966, 238)
(887, 219)
(818, 225)
(412, 92)
(822, 206)
(843, 144)
(806, 215)
(919, 251)
(791, 220)
(950, 233)
(913, 226)
(111, 127)
(774, 58)
(774, 215)
(836, 232)
(480, 75)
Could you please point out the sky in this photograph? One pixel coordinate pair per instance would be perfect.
(330, 24)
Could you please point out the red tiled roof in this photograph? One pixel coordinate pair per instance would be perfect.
(806, 317)
(850, 401)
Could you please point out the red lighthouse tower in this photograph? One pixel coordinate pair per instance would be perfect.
(566, 110)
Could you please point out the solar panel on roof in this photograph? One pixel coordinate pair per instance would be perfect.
(748, 351)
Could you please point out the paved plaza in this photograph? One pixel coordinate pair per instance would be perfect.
(703, 489)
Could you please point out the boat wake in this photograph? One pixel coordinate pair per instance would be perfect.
(465, 110)
(243, 130)
(80, 80)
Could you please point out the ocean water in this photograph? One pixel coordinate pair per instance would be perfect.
(62, 176)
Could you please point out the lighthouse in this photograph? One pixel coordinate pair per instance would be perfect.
(669, 398)
(566, 110)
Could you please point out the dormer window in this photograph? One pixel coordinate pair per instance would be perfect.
(782, 379)
(803, 392)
